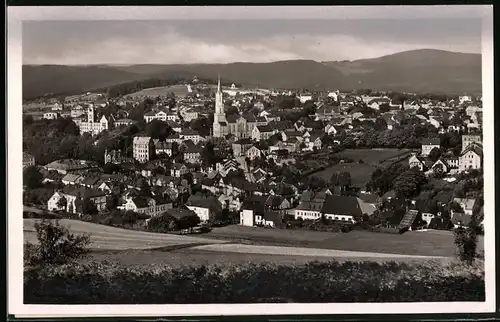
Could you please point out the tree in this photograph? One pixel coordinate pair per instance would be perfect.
(409, 183)
(435, 154)
(32, 177)
(466, 240)
(56, 245)
(88, 207)
(62, 202)
(380, 124)
(162, 223)
(438, 170)
(455, 207)
(344, 179)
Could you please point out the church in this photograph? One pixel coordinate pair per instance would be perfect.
(241, 126)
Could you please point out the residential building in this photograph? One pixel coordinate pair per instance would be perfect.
(178, 170)
(146, 205)
(124, 122)
(470, 139)
(344, 208)
(471, 158)
(28, 160)
(143, 148)
(253, 153)
(71, 194)
(241, 146)
(50, 115)
(429, 144)
(262, 132)
(204, 206)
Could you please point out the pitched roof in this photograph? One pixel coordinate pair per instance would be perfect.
(461, 219)
(431, 141)
(202, 201)
(264, 128)
(342, 205)
(179, 213)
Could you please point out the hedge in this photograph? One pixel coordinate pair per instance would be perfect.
(107, 283)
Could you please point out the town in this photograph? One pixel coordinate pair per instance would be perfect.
(187, 157)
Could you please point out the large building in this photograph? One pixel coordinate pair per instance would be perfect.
(241, 126)
(143, 148)
(470, 139)
(94, 126)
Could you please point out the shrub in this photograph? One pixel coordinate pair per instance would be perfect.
(314, 282)
(466, 240)
(56, 245)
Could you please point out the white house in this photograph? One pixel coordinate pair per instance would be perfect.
(253, 153)
(429, 144)
(146, 206)
(305, 97)
(470, 159)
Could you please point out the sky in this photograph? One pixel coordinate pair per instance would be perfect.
(239, 40)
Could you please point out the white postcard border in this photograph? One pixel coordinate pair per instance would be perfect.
(15, 224)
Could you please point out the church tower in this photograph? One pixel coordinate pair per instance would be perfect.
(219, 115)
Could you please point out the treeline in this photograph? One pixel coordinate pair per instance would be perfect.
(135, 86)
(405, 136)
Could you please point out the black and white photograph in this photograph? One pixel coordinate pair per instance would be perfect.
(280, 157)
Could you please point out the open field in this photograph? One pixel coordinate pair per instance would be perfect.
(238, 244)
(197, 256)
(418, 243)
(112, 238)
(178, 90)
(373, 156)
(360, 173)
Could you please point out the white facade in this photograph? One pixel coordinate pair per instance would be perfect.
(92, 127)
(247, 218)
(142, 149)
(219, 115)
(307, 214)
(427, 148)
(50, 115)
(470, 160)
(203, 213)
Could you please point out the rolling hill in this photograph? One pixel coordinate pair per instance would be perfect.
(417, 71)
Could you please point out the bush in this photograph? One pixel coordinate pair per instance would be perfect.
(310, 283)
(56, 245)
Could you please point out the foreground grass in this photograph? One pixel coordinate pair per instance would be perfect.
(107, 283)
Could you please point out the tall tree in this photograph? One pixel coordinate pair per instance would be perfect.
(32, 177)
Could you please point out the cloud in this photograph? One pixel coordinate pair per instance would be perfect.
(167, 42)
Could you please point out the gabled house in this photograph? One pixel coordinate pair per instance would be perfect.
(146, 205)
(471, 158)
(429, 144)
(178, 170)
(253, 153)
(204, 206)
(343, 208)
(262, 132)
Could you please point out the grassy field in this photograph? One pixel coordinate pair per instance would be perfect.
(373, 156)
(112, 238)
(195, 256)
(178, 90)
(360, 173)
(418, 243)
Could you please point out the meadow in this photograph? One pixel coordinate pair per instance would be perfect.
(178, 90)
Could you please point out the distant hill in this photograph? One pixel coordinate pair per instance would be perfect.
(425, 70)
(45, 79)
(418, 71)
